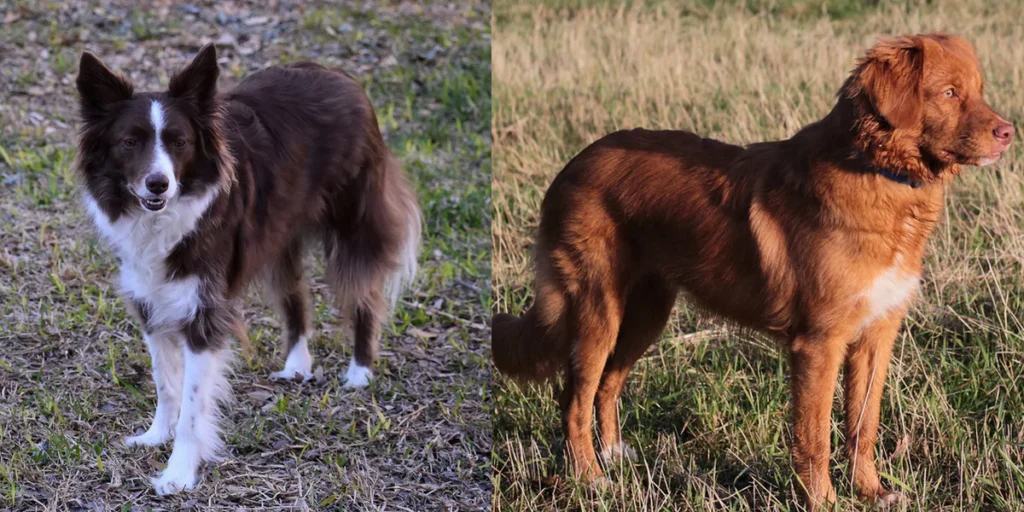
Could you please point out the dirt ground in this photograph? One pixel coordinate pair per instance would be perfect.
(74, 373)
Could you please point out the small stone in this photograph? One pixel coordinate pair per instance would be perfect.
(256, 20)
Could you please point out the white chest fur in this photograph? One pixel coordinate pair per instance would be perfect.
(890, 290)
(143, 241)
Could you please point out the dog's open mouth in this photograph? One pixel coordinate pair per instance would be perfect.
(153, 204)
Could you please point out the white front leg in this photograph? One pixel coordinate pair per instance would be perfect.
(168, 371)
(197, 436)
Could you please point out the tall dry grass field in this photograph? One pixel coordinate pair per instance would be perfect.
(707, 409)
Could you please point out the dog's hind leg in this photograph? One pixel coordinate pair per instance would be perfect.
(597, 317)
(371, 255)
(287, 285)
(648, 307)
(359, 286)
(168, 369)
(366, 315)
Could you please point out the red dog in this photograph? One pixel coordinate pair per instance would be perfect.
(817, 239)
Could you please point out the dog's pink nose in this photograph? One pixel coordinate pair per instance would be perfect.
(1004, 133)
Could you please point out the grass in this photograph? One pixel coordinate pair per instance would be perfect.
(707, 409)
(74, 373)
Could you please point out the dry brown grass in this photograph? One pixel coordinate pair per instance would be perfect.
(708, 413)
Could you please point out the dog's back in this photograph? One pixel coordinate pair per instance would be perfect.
(311, 157)
(312, 164)
(635, 205)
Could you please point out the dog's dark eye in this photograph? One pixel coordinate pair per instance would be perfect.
(129, 143)
(950, 93)
(180, 143)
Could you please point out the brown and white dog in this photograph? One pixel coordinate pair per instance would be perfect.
(817, 240)
(199, 194)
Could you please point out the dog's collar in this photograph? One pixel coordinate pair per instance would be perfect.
(885, 172)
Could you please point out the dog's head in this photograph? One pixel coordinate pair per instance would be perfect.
(144, 150)
(920, 108)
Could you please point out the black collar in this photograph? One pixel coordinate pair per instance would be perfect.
(885, 172)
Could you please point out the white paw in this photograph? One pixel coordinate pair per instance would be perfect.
(293, 374)
(298, 365)
(152, 437)
(357, 376)
(174, 480)
(620, 451)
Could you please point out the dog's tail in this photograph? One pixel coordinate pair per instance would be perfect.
(399, 200)
(531, 347)
(372, 239)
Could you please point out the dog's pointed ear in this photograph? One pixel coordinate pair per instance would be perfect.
(198, 81)
(891, 76)
(99, 87)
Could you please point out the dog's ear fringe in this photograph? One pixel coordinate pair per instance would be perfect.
(99, 87)
(890, 77)
(198, 80)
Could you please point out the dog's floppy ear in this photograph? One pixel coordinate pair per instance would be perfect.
(198, 81)
(98, 87)
(890, 75)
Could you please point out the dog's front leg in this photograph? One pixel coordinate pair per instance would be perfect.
(168, 369)
(205, 386)
(814, 369)
(866, 365)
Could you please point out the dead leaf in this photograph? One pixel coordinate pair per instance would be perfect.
(901, 447)
(260, 396)
(270, 405)
(419, 333)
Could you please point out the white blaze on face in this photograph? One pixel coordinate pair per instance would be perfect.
(161, 161)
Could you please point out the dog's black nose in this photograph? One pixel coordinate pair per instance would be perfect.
(157, 183)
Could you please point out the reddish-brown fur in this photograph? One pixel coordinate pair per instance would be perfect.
(814, 239)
